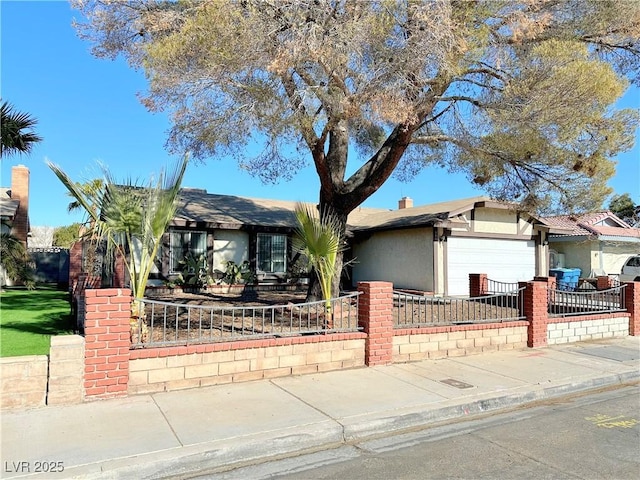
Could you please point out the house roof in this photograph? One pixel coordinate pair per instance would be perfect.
(232, 212)
(197, 207)
(596, 224)
(443, 214)
(8, 206)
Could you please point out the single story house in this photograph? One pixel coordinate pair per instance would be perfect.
(597, 243)
(430, 248)
(433, 248)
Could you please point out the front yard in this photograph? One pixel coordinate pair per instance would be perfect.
(28, 318)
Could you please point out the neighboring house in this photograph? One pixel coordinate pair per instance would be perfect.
(14, 209)
(434, 248)
(597, 243)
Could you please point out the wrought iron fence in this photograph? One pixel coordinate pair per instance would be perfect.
(419, 310)
(564, 303)
(167, 323)
(494, 287)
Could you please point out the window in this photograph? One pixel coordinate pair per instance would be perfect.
(184, 242)
(272, 253)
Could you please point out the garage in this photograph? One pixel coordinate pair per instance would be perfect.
(502, 260)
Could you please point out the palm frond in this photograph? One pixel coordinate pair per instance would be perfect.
(319, 238)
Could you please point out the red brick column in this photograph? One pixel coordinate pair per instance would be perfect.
(603, 282)
(107, 341)
(478, 284)
(535, 310)
(20, 192)
(375, 316)
(75, 264)
(632, 304)
(119, 278)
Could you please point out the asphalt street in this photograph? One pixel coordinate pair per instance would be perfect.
(585, 436)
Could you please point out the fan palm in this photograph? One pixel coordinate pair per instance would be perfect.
(15, 137)
(132, 219)
(15, 260)
(319, 238)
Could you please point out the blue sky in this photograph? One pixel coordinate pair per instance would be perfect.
(87, 111)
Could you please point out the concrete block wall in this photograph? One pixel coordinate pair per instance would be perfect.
(579, 329)
(66, 370)
(176, 368)
(23, 381)
(457, 341)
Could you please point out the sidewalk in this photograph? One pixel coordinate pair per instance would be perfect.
(173, 434)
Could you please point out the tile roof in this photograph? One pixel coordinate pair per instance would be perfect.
(594, 224)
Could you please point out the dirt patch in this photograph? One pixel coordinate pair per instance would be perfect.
(190, 318)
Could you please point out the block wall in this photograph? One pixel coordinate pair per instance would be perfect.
(176, 368)
(568, 330)
(23, 381)
(457, 341)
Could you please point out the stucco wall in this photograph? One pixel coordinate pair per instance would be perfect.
(403, 257)
(576, 255)
(229, 245)
(500, 221)
(588, 255)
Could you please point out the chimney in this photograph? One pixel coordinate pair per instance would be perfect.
(20, 192)
(405, 202)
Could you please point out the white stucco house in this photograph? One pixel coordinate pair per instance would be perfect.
(597, 243)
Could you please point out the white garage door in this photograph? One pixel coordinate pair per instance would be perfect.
(501, 260)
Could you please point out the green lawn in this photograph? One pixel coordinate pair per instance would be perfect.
(28, 318)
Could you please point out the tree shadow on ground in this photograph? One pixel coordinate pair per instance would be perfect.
(46, 324)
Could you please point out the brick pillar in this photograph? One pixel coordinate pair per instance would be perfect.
(20, 192)
(375, 316)
(119, 279)
(534, 305)
(604, 282)
(478, 284)
(75, 264)
(632, 304)
(107, 342)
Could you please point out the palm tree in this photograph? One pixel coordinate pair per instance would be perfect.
(15, 137)
(319, 238)
(15, 260)
(131, 219)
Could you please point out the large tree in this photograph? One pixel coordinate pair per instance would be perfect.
(516, 94)
(625, 208)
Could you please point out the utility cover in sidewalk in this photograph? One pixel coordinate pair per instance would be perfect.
(456, 383)
(612, 352)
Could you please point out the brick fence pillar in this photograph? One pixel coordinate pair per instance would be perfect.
(632, 304)
(107, 342)
(375, 316)
(75, 264)
(603, 282)
(478, 284)
(534, 305)
(119, 271)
